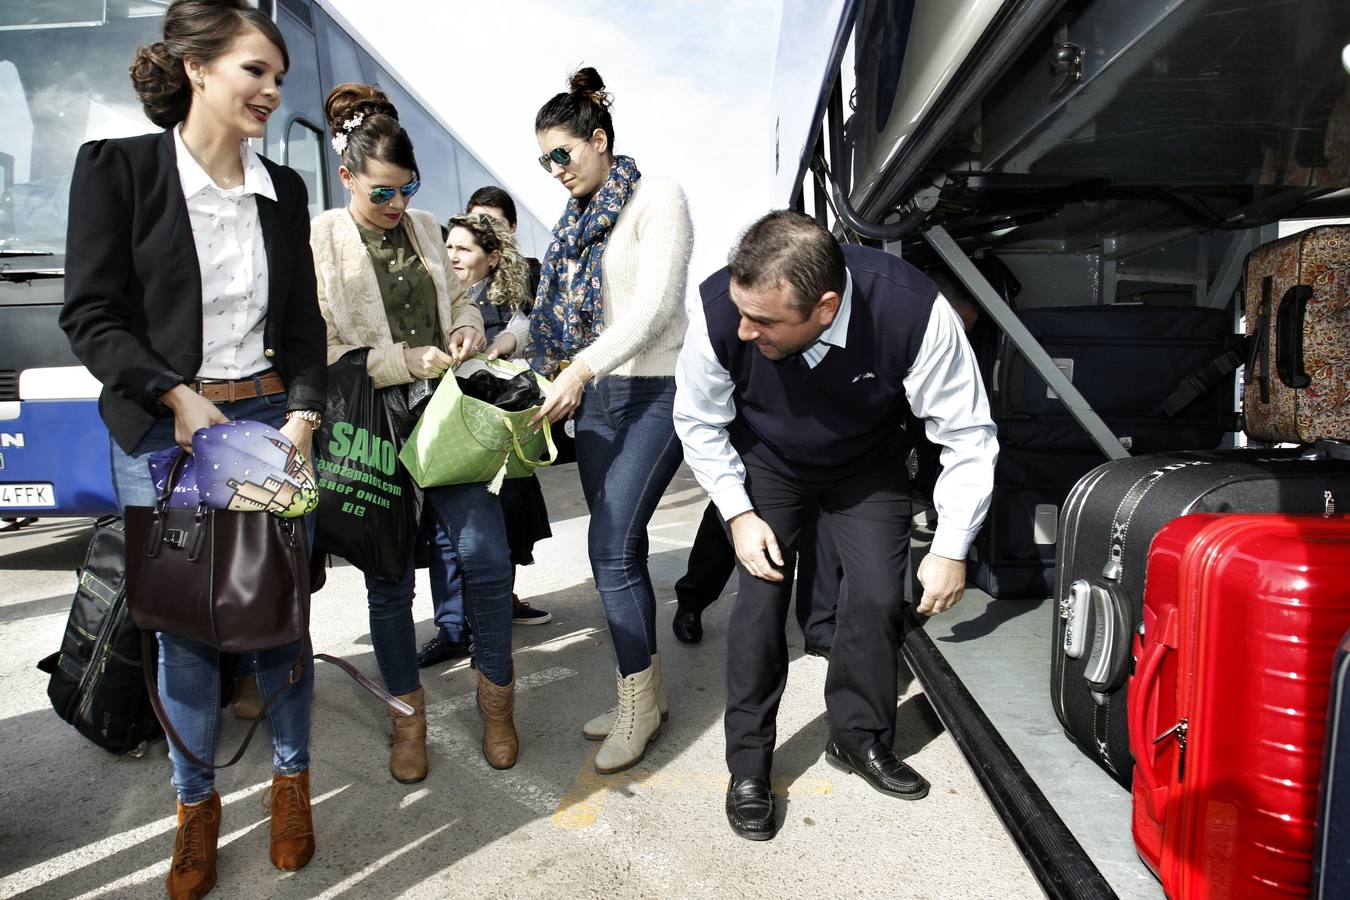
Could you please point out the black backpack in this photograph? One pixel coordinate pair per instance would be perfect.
(97, 683)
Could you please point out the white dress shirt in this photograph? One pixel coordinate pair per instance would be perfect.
(233, 261)
(943, 388)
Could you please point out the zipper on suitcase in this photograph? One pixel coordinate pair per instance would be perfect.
(98, 660)
(1179, 730)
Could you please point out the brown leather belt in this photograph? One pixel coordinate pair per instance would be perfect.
(244, 389)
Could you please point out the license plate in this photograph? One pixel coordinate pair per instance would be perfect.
(27, 495)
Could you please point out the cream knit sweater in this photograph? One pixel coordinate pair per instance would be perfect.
(643, 279)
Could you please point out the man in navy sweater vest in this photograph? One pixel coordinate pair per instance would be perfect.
(793, 387)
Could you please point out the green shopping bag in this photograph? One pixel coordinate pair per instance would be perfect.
(463, 440)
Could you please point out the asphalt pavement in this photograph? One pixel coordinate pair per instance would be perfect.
(76, 821)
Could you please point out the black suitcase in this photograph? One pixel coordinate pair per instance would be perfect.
(1013, 556)
(97, 683)
(1103, 350)
(1108, 523)
(1331, 852)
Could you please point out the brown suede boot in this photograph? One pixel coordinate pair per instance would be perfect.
(408, 743)
(192, 873)
(292, 823)
(496, 705)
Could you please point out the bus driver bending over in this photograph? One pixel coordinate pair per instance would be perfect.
(793, 384)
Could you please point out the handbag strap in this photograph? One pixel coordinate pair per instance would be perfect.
(149, 664)
(149, 660)
(520, 451)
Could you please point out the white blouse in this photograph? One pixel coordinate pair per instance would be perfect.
(233, 261)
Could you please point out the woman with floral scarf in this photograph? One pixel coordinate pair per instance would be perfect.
(607, 326)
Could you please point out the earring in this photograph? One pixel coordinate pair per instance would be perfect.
(199, 83)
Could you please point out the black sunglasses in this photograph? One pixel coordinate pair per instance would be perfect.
(382, 195)
(560, 155)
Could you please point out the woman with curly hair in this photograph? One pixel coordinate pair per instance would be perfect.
(385, 284)
(483, 255)
(609, 322)
(190, 296)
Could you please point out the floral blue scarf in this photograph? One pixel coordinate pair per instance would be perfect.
(569, 315)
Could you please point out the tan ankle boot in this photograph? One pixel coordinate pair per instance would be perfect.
(598, 729)
(496, 705)
(192, 873)
(247, 703)
(408, 743)
(292, 822)
(636, 724)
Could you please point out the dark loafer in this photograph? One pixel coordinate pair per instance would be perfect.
(750, 807)
(880, 768)
(687, 626)
(438, 650)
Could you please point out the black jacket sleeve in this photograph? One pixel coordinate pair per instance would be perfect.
(100, 303)
(306, 336)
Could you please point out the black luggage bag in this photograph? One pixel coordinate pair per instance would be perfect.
(1331, 852)
(1108, 523)
(1013, 556)
(1126, 360)
(97, 683)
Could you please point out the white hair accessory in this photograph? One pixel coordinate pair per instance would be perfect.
(340, 139)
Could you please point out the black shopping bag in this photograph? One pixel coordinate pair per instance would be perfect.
(369, 508)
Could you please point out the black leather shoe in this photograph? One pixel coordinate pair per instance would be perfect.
(687, 626)
(880, 768)
(750, 807)
(438, 650)
(815, 650)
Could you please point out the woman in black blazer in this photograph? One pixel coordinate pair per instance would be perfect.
(190, 294)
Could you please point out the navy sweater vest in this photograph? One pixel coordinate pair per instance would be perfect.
(850, 409)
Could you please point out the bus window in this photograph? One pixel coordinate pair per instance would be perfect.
(344, 63)
(60, 87)
(304, 154)
(301, 95)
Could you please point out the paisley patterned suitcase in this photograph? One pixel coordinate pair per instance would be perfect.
(1297, 380)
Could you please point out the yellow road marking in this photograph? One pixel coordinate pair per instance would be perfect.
(583, 805)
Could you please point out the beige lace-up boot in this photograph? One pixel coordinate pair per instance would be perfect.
(598, 729)
(637, 722)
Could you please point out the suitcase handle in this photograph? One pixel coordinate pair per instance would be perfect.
(1289, 336)
(1139, 711)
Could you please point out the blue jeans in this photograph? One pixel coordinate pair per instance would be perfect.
(469, 522)
(447, 591)
(189, 672)
(627, 452)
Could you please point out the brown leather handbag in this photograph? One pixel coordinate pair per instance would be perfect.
(235, 581)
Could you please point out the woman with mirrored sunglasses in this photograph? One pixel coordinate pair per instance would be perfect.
(607, 325)
(385, 284)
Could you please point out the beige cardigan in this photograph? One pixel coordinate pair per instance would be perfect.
(349, 295)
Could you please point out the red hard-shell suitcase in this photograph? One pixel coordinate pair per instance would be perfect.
(1228, 701)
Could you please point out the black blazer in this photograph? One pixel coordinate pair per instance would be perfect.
(133, 307)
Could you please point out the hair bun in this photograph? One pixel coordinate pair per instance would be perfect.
(352, 99)
(160, 84)
(587, 82)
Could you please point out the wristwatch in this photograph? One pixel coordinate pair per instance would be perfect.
(311, 417)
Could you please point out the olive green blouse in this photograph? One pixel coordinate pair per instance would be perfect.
(407, 290)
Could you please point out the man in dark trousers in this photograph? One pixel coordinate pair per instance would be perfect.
(794, 382)
(712, 560)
